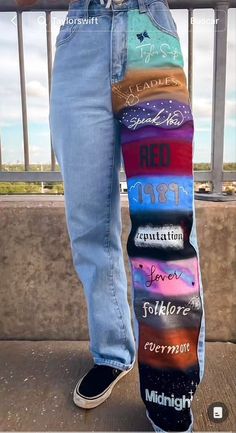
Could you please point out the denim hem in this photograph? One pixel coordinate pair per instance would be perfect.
(117, 364)
(159, 429)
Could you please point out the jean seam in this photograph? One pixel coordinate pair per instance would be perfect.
(120, 76)
(201, 362)
(159, 429)
(135, 317)
(72, 28)
(197, 255)
(159, 26)
(120, 365)
(108, 244)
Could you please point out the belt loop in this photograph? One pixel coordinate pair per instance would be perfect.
(142, 6)
(86, 8)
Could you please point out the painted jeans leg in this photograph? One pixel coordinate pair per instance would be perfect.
(153, 107)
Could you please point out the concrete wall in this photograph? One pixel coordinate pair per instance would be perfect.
(41, 296)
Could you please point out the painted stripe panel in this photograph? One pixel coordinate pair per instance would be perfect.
(169, 313)
(166, 278)
(158, 49)
(181, 134)
(140, 85)
(160, 193)
(157, 156)
(168, 348)
(165, 113)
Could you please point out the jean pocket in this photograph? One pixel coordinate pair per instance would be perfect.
(161, 16)
(66, 33)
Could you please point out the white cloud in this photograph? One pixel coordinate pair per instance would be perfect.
(231, 122)
(202, 107)
(230, 107)
(36, 89)
(35, 150)
(202, 129)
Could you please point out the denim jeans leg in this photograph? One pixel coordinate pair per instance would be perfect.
(83, 137)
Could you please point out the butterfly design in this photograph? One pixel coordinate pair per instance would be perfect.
(195, 303)
(143, 35)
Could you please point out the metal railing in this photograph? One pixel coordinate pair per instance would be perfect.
(216, 175)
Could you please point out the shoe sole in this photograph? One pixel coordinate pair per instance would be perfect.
(86, 403)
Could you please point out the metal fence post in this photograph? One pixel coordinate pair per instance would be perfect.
(219, 84)
(49, 62)
(23, 89)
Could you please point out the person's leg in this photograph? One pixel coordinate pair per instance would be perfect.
(83, 137)
(151, 101)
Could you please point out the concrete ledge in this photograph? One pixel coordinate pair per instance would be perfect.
(37, 380)
(41, 296)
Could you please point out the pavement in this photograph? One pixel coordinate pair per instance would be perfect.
(37, 379)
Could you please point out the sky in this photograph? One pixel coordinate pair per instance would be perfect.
(11, 132)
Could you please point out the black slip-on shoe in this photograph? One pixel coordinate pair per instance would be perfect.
(96, 385)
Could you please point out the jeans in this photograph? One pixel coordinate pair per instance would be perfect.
(119, 93)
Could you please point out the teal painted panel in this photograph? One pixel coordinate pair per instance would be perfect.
(150, 47)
